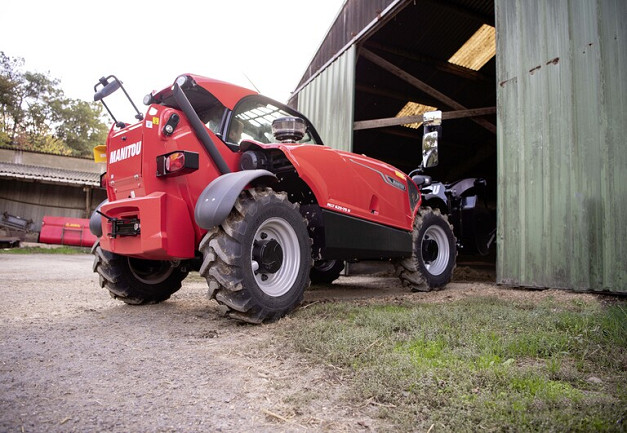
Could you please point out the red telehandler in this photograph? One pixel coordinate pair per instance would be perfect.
(218, 179)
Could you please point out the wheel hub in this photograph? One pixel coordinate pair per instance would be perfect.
(269, 256)
(429, 250)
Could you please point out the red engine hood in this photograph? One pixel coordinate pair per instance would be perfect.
(353, 184)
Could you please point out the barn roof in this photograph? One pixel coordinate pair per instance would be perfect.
(10, 170)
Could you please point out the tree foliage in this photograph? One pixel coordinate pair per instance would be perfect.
(36, 115)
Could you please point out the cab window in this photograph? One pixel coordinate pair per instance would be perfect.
(252, 120)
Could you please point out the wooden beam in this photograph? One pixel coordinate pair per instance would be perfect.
(439, 65)
(395, 121)
(405, 76)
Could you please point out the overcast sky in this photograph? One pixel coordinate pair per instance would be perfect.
(147, 44)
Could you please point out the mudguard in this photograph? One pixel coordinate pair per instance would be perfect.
(434, 195)
(217, 199)
(95, 221)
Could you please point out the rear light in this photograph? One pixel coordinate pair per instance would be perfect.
(177, 163)
(174, 162)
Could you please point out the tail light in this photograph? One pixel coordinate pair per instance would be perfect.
(177, 163)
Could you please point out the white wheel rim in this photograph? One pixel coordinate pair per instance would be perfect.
(280, 282)
(435, 237)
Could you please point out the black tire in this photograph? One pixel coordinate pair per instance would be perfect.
(257, 261)
(326, 271)
(136, 281)
(434, 257)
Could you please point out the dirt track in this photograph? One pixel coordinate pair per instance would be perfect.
(73, 359)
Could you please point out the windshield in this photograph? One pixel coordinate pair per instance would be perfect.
(210, 111)
(252, 120)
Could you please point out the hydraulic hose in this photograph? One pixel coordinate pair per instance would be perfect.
(199, 129)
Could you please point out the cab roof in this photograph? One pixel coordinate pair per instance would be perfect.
(228, 94)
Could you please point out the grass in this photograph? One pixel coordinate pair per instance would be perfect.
(478, 364)
(39, 250)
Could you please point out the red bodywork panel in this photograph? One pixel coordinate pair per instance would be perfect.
(353, 184)
(165, 206)
(342, 182)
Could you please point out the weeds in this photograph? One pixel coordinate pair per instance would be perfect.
(39, 250)
(482, 363)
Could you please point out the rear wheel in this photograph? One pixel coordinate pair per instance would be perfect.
(137, 281)
(257, 261)
(434, 253)
(326, 271)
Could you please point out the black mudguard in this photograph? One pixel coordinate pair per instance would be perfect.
(217, 199)
(95, 221)
(434, 195)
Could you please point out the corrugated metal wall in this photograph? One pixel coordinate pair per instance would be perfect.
(562, 143)
(328, 101)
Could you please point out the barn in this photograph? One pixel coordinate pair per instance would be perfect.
(34, 184)
(534, 100)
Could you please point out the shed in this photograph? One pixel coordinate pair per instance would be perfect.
(34, 184)
(536, 106)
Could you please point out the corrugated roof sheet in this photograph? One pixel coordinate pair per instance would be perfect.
(47, 174)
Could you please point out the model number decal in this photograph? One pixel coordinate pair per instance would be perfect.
(125, 152)
(338, 207)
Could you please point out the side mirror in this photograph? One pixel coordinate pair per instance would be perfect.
(107, 88)
(432, 122)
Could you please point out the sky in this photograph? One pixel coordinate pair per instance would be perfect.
(147, 44)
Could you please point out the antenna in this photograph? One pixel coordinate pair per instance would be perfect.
(251, 82)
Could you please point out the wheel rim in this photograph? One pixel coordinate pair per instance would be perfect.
(435, 254)
(150, 271)
(276, 282)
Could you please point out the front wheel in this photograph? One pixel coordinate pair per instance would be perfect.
(137, 281)
(257, 261)
(434, 252)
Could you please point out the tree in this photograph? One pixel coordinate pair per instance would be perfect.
(80, 126)
(36, 115)
(10, 104)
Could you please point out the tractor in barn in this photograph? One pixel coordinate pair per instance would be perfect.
(219, 179)
(463, 201)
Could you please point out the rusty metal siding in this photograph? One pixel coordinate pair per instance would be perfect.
(562, 155)
(328, 101)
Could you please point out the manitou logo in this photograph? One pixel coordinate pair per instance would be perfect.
(125, 152)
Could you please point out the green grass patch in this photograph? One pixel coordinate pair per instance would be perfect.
(39, 250)
(477, 364)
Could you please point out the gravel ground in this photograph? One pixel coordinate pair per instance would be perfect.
(74, 359)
